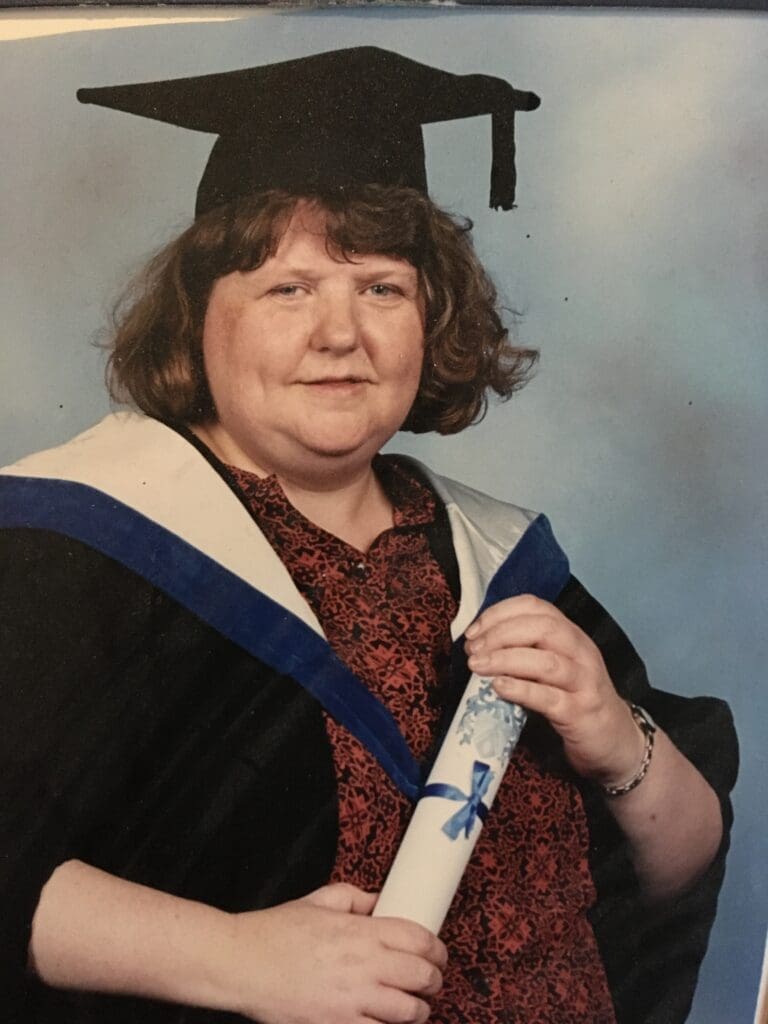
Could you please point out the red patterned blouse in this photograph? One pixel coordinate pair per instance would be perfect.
(521, 948)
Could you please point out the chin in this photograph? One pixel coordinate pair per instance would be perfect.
(339, 450)
(340, 444)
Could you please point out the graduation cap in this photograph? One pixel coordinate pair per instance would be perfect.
(326, 121)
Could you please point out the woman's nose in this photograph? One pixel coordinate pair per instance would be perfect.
(336, 326)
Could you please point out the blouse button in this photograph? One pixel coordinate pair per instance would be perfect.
(479, 981)
(359, 570)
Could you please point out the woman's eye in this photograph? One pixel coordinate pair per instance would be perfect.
(287, 291)
(383, 290)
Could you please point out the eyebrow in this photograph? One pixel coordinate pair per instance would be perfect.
(391, 268)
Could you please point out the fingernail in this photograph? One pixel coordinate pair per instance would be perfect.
(478, 663)
(473, 646)
(472, 631)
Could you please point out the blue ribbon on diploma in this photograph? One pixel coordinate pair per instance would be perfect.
(473, 808)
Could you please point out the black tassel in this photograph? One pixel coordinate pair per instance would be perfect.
(503, 173)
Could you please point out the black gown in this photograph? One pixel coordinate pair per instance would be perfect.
(141, 740)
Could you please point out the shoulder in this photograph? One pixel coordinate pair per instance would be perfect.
(477, 519)
(475, 505)
(54, 507)
(141, 493)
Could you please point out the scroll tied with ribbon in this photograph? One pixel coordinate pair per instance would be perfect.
(440, 838)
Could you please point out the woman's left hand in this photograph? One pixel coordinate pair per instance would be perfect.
(538, 658)
(541, 660)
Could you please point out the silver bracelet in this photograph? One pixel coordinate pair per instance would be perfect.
(648, 728)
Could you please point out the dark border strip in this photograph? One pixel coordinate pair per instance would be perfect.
(342, 6)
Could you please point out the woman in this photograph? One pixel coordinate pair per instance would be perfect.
(188, 746)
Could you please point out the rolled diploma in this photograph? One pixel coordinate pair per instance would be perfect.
(429, 864)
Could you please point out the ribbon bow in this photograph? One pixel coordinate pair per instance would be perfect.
(464, 818)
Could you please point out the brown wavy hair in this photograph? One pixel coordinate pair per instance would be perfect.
(156, 359)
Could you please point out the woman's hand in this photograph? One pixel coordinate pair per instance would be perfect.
(323, 960)
(317, 960)
(538, 658)
(541, 660)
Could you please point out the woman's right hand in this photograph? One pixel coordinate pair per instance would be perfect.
(318, 960)
(323, 960)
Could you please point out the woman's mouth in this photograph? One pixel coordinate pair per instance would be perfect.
(336, 383)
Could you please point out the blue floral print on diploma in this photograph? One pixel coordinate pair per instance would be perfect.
(490, 724)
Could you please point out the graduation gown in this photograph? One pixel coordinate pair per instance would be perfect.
(163, 684)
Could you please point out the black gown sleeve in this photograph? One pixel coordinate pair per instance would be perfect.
(652, 955)
(138, 740)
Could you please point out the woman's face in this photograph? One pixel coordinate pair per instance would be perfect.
(310, 359)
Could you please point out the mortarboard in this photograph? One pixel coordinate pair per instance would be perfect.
(325, 121)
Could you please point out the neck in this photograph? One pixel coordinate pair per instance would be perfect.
(339, 495)
(357, 511)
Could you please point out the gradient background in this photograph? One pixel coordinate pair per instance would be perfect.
(638, 257)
